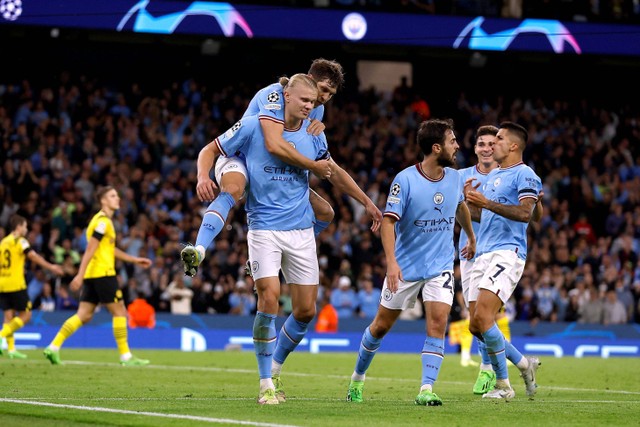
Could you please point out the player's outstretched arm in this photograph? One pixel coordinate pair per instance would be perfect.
(343, 182)
(38, 259)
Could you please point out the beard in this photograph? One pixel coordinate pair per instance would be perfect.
(445, 160)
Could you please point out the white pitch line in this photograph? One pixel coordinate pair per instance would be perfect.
(300, 374)
(147, 414)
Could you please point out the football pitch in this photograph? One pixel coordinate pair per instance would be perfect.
(220, 388)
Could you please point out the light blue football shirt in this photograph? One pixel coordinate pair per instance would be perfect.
(465, 174)
(425, 211)
(268, 103)
(278, 196)
(507, 186)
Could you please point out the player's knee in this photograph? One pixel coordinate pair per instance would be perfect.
(26, 316)
(324, 213)
(234, 184)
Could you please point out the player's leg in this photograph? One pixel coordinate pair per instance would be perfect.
(438, 297)
(19, 301)
(231, 173)
(264, 250)
(71, 325)
(323, 212)
(300, 270)
(388, 311)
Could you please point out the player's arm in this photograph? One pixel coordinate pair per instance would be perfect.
(123, 256)
(538, 210)
(206, 189)
(316, 127)
(36, 258)
(463, 216)
(522, 212)
(92, 247)
(345, 183)
(277, 146)
(388, 237)
(475, 211)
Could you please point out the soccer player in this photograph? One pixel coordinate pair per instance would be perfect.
(504, 206)
(280, 222)
(97, 278)
(14, 250)
(417, 234)
(231, 172)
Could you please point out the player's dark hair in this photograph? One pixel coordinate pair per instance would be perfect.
(325, 69)
(15, 221)
(518, 130)
(486, 130)
(432, 132)
(102, 191)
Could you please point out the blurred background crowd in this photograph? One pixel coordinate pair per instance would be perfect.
(136, 116)
(63, 138)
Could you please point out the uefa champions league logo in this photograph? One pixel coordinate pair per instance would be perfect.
(10, 9)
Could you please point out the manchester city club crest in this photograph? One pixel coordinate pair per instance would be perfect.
(387, 295)
(438, 198)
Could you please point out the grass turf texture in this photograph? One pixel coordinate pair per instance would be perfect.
(220, 388)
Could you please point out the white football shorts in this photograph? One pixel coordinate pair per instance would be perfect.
(469, 295)
(435, 289)
(292, 251)
(498, 272)
(229, 164)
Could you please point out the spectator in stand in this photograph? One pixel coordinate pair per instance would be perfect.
(179, 295)
(592, 311)
(46, 301)
(613, 311)
(327, 321)
(368, 299)
(141, 313)
(242, 302)
(344, 298)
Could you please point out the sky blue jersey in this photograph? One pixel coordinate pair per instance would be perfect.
(465, 174)
(268, 103)
(425, 211)
(507, 186)
(278, 196)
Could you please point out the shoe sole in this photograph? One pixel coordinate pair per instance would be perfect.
(189, 260)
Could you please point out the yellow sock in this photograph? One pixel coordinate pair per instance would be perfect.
(11, 343)
(120, 334)
(503, 325)
(9, 328)
(466, 339)
(71, 325)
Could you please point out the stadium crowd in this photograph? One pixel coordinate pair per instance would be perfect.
(62, 139)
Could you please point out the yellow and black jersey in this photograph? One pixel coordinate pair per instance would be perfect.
(13, 252)
(103, 262)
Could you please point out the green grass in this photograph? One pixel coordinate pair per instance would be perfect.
(221, 388)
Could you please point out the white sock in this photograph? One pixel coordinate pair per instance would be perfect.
(426, 387)
(53, 347)
(126, 356)
(357, 377)
(523, 364)
(503, 384)
(486, 367)
(276, 369)
(202, 251)
(266, 383)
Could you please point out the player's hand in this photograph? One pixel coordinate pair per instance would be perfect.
(376, 216)
(207, 190)
(144, 262)
(394, 275)
(477, 199)
(470, 186)
(57, 270)
(316, 127)
(469, 250)
(76, 283)
(321, 169)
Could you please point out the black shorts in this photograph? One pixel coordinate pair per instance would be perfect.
(103, 290)
(18, 300)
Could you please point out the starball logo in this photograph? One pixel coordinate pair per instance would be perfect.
(224, 14)
(556, 33)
